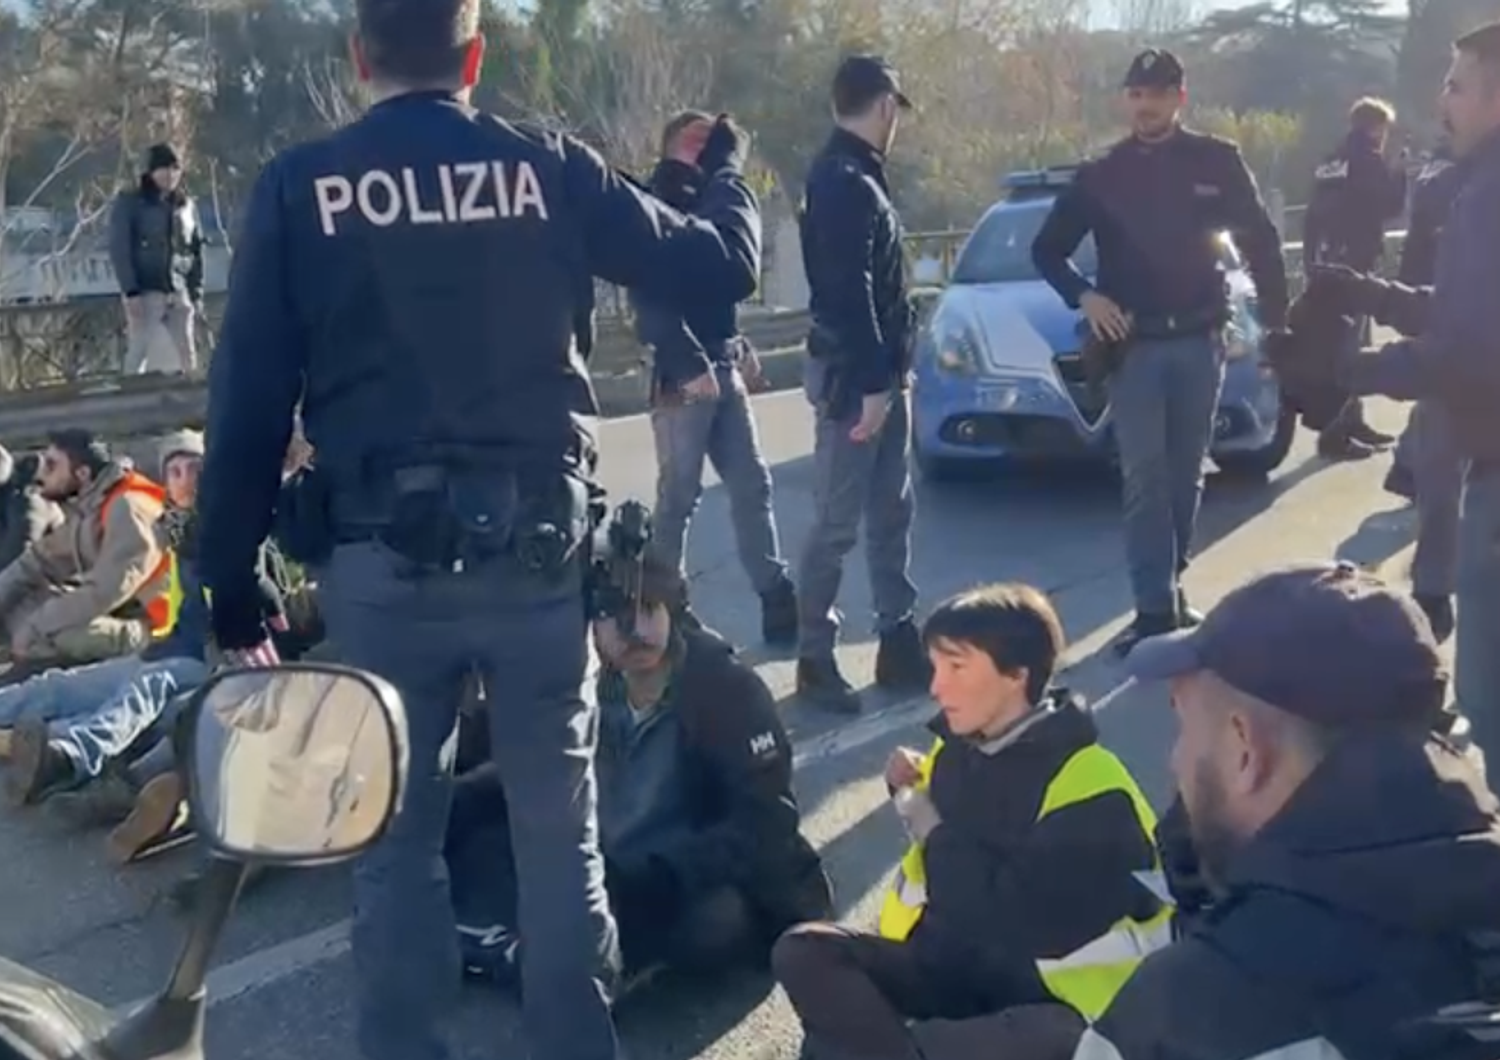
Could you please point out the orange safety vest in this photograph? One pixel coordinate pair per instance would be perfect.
(158, 607)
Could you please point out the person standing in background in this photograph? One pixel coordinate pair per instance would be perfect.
(1355, 192)
(1156, 204)
(857, 378)
(156, 248)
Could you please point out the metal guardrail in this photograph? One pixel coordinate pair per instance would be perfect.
(87, 388)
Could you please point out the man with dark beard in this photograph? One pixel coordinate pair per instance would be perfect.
(702, 376)
(1352, 855)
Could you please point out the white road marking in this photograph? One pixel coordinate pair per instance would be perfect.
(271, 965)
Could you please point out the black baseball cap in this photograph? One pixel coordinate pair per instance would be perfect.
(1327, 642)
(862, 79)
(1155, 68)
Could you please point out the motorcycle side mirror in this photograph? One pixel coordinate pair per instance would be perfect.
(298, 765)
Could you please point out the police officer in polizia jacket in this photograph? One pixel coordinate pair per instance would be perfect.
(413, 279)
(1155, 204)
(857, 379)
(1355, 191)
(1353, 855)
(1455, 361)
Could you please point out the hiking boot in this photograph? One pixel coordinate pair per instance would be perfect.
(1400, 482)
(820, 683)
(158, 815)
(491, 955)
(104, 801)
(1439, 612)
(38, 768)
(778, 615)
(1188, 616)
(901, 664)
(1143, 627)
(1363, 433)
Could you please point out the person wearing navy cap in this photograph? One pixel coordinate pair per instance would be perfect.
(1155, 204)
(858, 379)
(1351, 852)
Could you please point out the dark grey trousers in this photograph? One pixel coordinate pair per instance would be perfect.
(527, 638)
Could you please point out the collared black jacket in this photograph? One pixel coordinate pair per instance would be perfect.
(856, 265)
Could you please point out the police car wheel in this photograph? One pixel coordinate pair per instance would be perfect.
(1260, 463)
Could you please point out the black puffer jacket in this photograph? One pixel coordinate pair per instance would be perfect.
(156, 242)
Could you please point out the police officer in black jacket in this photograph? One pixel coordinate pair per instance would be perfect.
(1355, 191)
(1155, 204)
(858, 366)
(413, 279)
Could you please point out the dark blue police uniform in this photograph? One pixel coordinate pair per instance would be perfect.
(1155, 210)
(414, 279)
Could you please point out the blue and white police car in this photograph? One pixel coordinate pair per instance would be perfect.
(998, 373)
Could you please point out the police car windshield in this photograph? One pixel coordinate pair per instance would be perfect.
(999, 250)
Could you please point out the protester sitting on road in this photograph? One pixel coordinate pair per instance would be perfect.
(1354, 856)
(76, 730)
(704, 863)
(92, 587)
(25, 515)
(1023, 888)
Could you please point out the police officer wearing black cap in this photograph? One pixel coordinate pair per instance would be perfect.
(414, 280)
(859, 361)
(1155, 204)
(1352, 853)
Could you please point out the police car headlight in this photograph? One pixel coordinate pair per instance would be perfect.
(955, 355)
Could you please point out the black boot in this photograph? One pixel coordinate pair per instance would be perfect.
(901, 664)
(1363, 433)
(1188, 616)
(820, 683)
(1400, 481)
(778, 615)
(1143, 627)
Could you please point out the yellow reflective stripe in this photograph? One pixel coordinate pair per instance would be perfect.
(1090, 772)
(173, 596)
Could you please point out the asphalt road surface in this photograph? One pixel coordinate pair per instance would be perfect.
(282, 984)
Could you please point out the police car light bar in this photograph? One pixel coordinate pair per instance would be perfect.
(1051, 177)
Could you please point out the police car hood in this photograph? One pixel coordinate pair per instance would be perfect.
(1407, 836)
(1017, 326)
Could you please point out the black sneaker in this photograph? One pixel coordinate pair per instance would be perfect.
(38, 769)
(901, 664)
(1439, 612)
(820, 683)
(1363, 433)
(1188, 616)
(1144, 626)
(778, 616)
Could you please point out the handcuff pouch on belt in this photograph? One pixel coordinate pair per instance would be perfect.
(441, 521)
(617, 565)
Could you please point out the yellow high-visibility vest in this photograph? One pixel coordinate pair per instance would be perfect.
(1088, 978)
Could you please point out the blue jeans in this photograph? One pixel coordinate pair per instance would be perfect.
(527, 637)
(1476, 638)
(723, 433)
(856, 484)
(63, 693)
(1163, 398)
(145, 702)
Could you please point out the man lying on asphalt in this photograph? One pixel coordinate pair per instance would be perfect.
(1353, 856)
(704, 861)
